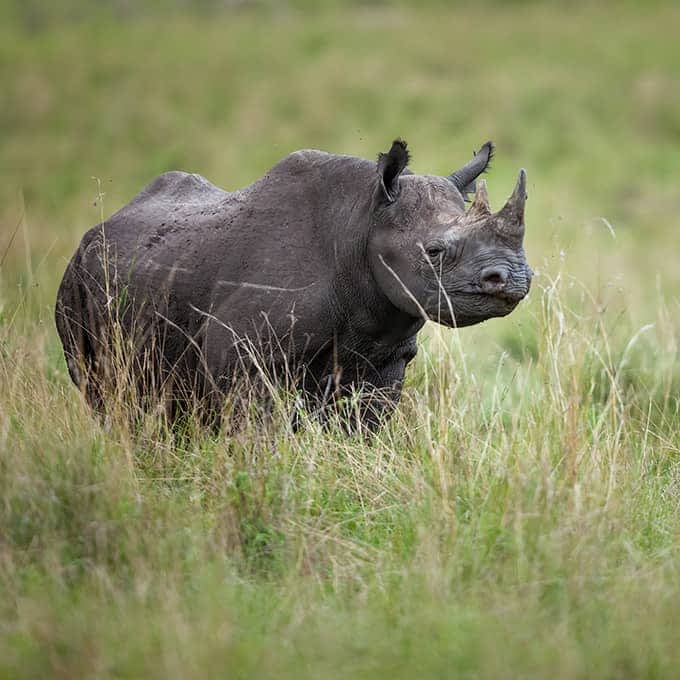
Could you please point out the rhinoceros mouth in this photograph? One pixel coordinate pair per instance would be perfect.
(471, 307)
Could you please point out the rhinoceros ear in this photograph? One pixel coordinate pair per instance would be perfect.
(390, 166)
(464, 178)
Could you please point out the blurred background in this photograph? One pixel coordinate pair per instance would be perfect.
(519, 516)
(100, 97)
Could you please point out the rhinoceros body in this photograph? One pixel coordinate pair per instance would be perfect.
(297, 279)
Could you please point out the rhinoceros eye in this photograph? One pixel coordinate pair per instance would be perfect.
(435, 250)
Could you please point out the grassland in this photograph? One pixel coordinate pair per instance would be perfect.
(520, 515)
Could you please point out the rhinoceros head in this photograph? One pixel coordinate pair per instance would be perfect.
(432, 257)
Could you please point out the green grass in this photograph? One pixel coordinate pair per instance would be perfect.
(520, 515)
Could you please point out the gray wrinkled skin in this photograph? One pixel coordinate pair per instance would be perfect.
(319, 275)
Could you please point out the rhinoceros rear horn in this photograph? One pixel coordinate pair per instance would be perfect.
(464, 178)
(511, 215)
(480, 206)
(390, 166)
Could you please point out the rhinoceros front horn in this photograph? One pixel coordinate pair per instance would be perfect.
(511, 215)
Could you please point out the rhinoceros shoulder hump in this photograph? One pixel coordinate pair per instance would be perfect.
(176, 184)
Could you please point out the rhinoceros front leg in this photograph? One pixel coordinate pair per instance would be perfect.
(377, 399)
(380, 394)
(362, 402)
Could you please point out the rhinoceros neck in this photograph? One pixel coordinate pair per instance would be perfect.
(342, 190)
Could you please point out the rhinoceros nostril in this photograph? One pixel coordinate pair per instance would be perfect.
(494, 279)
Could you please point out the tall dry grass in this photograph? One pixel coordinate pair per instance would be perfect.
(491, 513)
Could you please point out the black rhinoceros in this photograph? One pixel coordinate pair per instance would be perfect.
(318, 276)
